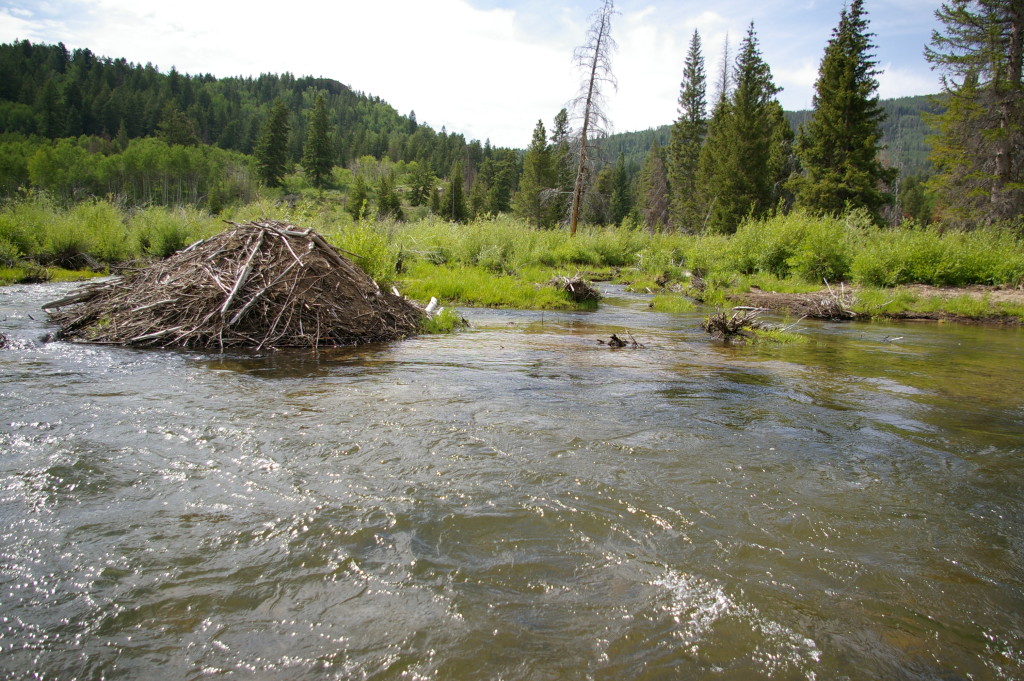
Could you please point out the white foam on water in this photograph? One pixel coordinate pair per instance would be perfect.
(699, 606)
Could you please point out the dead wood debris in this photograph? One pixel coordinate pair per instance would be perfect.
(739, 323)
(837, 305)
(578, 288)
(616, 342)
(258, 285)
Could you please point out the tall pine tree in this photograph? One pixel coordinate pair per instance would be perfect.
(453, 203)
(389, 205)
(687, 136)
(358, 199)
(318, 151)
(272, 148)
(979, 148)
(535, 186)
(739, 172)
(839, 146)
(652, 191)
(622, 194)
(561, 161)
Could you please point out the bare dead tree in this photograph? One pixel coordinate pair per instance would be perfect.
(593, 58)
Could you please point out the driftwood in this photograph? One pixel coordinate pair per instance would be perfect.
(837, 305)
(578, 288)
(258, 285)
(739, 323)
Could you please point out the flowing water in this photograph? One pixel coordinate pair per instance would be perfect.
(515, 502)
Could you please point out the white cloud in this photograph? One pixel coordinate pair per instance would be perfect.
(898, 82)
(17, 27)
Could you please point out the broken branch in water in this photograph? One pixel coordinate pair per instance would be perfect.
(616, 342)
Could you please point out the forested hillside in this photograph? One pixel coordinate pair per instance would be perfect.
(188, 132)
(46, 90)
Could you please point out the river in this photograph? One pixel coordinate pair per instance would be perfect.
(515, 502)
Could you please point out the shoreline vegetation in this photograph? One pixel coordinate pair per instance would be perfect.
(797, 264)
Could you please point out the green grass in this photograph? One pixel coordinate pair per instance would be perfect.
(478, 287)
(881, 301)
(780, 336)
(447, 321)
(1011, 310)
(896, 301)
(61, 274)
(31, 273)
(672, 303)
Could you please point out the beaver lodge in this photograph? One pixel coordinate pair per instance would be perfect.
(257, 285)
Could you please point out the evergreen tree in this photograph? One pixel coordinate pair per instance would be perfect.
(739, 166)
(318, 151)
(687, 137)
(453, 203)
(838, 147)
(536, 184)
(435, 201)
(561, 162)
(504, 171)
(979, 148)
(478, 197)
(421, 183)
(358, 199)
(621, 196)
(177, 128)
(389, 205)
(597, 205)
(653, 189)
(272, 148)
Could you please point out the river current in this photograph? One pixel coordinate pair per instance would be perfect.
(515, 502)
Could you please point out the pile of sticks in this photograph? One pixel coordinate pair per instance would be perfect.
(257, 285)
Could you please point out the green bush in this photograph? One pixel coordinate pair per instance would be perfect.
(769, 245)
(158, 232)
(371, 246)
(10, 254)
(928, 256)
(828, 246)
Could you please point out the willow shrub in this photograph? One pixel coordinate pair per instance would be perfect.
(928, 256)
(23, 222)
(94, 228)
(371, 246)
(159, 232)
(810, 247)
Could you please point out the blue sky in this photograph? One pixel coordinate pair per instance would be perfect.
(485, 68)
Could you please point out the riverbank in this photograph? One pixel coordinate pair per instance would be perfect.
(976, 304)
(905, 272)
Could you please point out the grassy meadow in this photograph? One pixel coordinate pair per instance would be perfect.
(503, 262)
